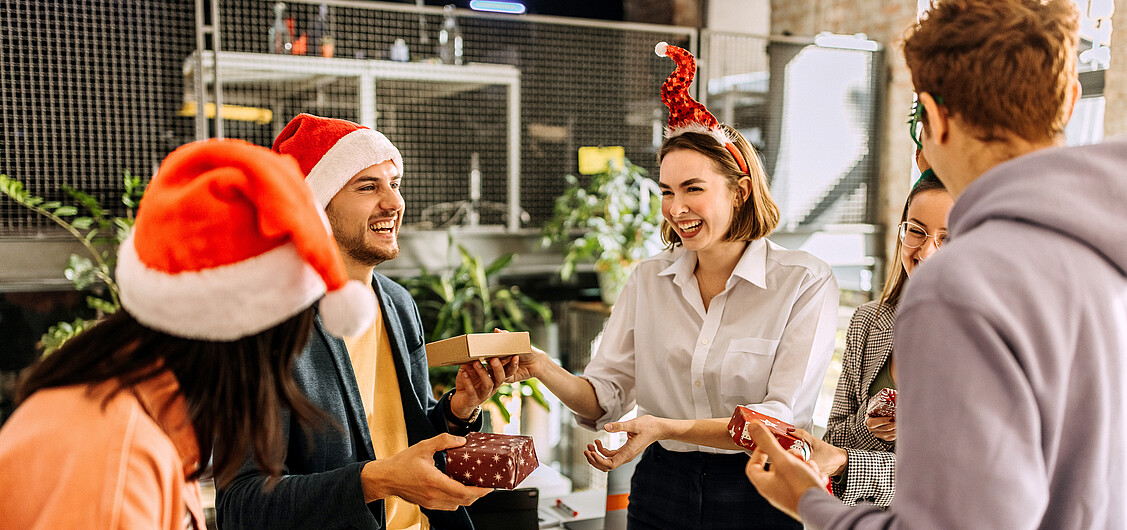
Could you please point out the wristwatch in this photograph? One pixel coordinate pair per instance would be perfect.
(453, 418)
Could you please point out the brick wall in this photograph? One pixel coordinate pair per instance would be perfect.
(883, 21)
(676, 12)
(1115, 82)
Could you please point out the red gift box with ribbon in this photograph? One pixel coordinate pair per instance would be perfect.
(743, 417)
(492, 460)
(883, 404)
(737, 428)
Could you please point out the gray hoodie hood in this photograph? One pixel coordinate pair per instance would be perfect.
(1066, 190)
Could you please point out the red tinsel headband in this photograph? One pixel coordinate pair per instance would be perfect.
(685, 113)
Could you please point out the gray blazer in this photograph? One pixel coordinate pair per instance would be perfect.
(871, 472)
(321, 485)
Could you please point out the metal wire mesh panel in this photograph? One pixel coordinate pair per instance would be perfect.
(93, 89)
(90, 89)
(581, 328)
(735, 69)
(811, 108)
(581, 83)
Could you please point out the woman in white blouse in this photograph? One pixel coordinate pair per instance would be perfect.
(723, 317)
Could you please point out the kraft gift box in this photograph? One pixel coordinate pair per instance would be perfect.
(477, 347)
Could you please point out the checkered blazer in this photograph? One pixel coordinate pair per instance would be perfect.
(870, 474)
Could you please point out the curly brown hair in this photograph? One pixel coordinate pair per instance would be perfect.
(1001, 66)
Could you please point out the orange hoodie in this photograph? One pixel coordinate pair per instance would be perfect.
(68, 462)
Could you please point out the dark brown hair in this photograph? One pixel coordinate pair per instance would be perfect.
(897, 276)
(999, 65)
(234, 390)
(758, 215)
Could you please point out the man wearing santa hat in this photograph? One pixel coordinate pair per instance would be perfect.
(376, 468)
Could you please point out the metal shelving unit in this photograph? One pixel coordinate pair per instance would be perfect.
(264, 86)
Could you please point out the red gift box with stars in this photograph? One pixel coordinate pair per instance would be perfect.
(492, 460)
(737, 428)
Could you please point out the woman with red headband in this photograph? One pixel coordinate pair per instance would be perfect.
(723, 317)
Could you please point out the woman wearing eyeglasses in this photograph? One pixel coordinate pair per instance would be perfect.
(860, 453)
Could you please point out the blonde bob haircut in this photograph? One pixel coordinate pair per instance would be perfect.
(758, 215)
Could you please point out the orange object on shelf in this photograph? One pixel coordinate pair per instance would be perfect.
(300, 45)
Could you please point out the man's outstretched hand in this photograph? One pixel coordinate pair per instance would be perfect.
(787, 477)
(476, 382)
(411, 475)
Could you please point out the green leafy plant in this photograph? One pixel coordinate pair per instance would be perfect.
(614, 221)
(100, 233)
(469, 299)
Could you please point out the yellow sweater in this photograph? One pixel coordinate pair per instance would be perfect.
(374, 366)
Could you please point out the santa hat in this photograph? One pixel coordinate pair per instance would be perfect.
(229, 242)
(685, 113)
(332, 151)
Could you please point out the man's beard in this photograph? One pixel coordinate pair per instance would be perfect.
(353, 243)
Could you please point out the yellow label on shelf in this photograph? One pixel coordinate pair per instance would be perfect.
(230, 112)
(595, 159)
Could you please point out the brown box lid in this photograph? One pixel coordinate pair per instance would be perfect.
(477, 346)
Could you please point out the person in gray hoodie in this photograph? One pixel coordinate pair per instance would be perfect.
(1012, 342)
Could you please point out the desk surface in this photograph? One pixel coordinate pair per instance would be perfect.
(589, 507)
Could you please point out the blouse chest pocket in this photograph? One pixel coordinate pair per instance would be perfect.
(747, 367)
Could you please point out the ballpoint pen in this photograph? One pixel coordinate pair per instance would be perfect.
(565, 508)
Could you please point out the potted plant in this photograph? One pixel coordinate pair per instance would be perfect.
(99, 231)
(614, 221)
(469, 299)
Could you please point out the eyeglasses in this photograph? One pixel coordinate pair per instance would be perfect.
(915, 119)
(914, 236)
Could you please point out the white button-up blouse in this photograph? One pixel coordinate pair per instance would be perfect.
(765, 341)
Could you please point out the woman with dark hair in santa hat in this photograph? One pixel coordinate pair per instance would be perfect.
(218, 280)
(722, 318)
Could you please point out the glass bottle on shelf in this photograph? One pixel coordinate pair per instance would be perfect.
(317, 30)
(450, 38)
(281, 40)
(399, 51)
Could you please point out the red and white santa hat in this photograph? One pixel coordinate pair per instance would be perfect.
(229, 242)
(685, 113)
(332, 151)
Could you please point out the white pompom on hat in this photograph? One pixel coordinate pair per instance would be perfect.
(229, 242)
(331, 151)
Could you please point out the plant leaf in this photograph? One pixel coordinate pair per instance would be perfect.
(66, 211)
(81, 271)
(499, 264)
(60, 333)
(101, 305)
(82, 223)
(86, 200)
(506, 416)
(536, 394)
